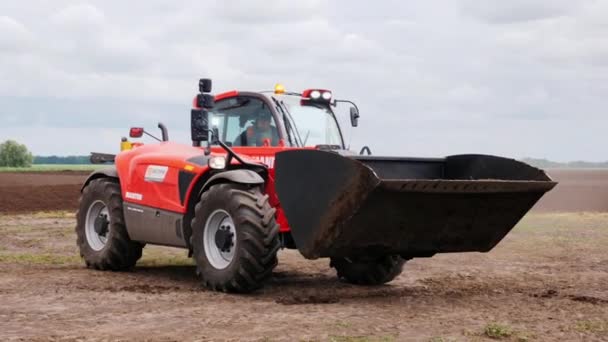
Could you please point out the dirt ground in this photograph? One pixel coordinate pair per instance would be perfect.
(578, 190)
(40, 191)
(547, 281)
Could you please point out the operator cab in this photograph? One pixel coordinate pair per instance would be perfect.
(245, 121)
(276, 118)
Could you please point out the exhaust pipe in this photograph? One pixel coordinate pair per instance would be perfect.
(346, 206)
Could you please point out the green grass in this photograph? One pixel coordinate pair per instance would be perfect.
(343, 325)
(553, 234)
(497, 331)
(592, 326)
(57, 214)
(52, 168)
(543, 223)
(28, 231)
(153, 259)
(438, 339)
(53, 214)
(46, 258)
(38, 259)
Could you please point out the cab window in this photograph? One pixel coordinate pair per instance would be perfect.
(244, 121)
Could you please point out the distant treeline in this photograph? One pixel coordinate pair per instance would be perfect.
(547, 164)
(70, 160)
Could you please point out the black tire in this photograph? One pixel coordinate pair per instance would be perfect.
(256, 238)
(119, 252)
(375, 271)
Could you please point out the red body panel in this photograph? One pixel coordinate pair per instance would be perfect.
(164, 194)
(132, 165)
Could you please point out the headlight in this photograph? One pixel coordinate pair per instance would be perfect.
(217, 162)
(315, 94)
(326, 95)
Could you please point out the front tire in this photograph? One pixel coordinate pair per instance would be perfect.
(234, 238)
(368, 271)
(100, 228)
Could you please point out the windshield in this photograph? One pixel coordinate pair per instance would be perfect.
(244, 121)
(314, 124)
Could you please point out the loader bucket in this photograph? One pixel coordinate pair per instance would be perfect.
(345, 206)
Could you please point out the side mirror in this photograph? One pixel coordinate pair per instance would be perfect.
(205, 101)
(199, 125)
(354, 116)
(204, 85)
(136, 132)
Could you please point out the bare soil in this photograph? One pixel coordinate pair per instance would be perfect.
(578, 190)
(40, 191)
(547, 281)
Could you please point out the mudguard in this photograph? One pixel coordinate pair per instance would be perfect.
(240, 176)
(109, 172)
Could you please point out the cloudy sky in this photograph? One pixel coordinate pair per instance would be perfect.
(515, 78)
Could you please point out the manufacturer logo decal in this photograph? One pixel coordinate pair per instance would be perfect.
(137, 210)
(134, 195)
(156, 173)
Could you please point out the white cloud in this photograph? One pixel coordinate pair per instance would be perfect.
(80, 19)
(431, 78)
(513, 11)
(14, 36)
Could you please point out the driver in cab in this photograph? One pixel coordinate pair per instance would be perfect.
(261, 133)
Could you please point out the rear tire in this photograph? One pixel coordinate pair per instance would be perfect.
(361, 271)
(242, 257)
(100, 228)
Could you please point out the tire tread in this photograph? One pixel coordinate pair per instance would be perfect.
(120, 253)
(369, 272)
(259, 240)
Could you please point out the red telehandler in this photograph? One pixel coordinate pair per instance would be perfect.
(270, 170)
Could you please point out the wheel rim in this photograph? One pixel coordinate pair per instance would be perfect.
(97, 225)
(219, 239)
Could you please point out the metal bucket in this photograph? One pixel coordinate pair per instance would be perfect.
(345, 206)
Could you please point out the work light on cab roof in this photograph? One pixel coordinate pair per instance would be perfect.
(317, 95)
